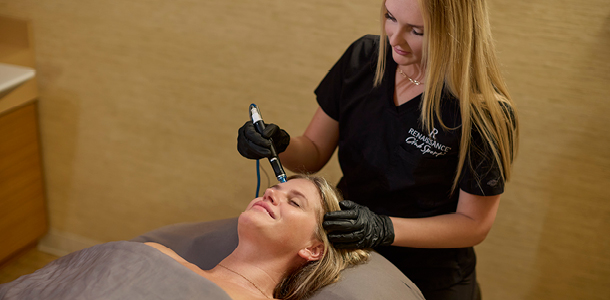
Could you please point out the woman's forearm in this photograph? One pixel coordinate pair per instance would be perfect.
(302, 156)
(311, 151)
(445, 231)
(467, 227)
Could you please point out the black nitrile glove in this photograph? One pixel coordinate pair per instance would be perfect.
(355, 226)
(253, 145)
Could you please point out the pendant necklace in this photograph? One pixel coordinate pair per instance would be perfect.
(405, 76)
(244, 277)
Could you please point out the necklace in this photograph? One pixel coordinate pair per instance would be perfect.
(405, 76)
(244, 277)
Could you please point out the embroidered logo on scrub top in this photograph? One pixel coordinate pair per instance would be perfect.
(427, 144)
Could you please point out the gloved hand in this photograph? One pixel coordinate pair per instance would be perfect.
(253, 145)
(355, 226)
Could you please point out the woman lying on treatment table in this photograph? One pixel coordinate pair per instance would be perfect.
(283, 251)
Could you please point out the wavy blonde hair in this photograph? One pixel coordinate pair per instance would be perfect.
(303, 282)
(459, 58)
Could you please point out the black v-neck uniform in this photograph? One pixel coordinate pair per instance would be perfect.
(393, 166)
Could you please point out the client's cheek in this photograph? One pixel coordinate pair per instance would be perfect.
(301, 225)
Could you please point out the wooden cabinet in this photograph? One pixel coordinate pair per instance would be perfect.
(23, 217)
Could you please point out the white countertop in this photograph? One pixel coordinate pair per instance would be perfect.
(12, 76)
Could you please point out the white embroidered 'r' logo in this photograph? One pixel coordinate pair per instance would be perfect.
(432, 134)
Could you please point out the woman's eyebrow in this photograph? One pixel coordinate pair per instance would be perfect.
(410, 25)
(388, 12)
(298, 194)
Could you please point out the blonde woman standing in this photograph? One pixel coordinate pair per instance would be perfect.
(426, 132)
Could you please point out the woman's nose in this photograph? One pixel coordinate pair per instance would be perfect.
(396, 38)
(271, 196)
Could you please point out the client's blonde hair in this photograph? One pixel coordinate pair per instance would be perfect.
(303, 282)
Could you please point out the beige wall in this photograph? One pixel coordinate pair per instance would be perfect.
(141, 100)
(551, 239)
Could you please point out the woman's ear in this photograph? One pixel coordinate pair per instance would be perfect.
(312, 253)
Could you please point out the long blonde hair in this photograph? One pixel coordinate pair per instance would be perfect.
(304, 281)
(459, 58)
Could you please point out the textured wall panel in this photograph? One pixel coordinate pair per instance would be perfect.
(141, 101)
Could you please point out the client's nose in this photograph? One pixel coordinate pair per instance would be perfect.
(270, 196)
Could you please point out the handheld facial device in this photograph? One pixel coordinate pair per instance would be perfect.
(274, 160)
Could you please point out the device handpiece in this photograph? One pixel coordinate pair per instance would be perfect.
(274, 160)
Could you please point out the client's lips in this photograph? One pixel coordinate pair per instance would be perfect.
(266, 206)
